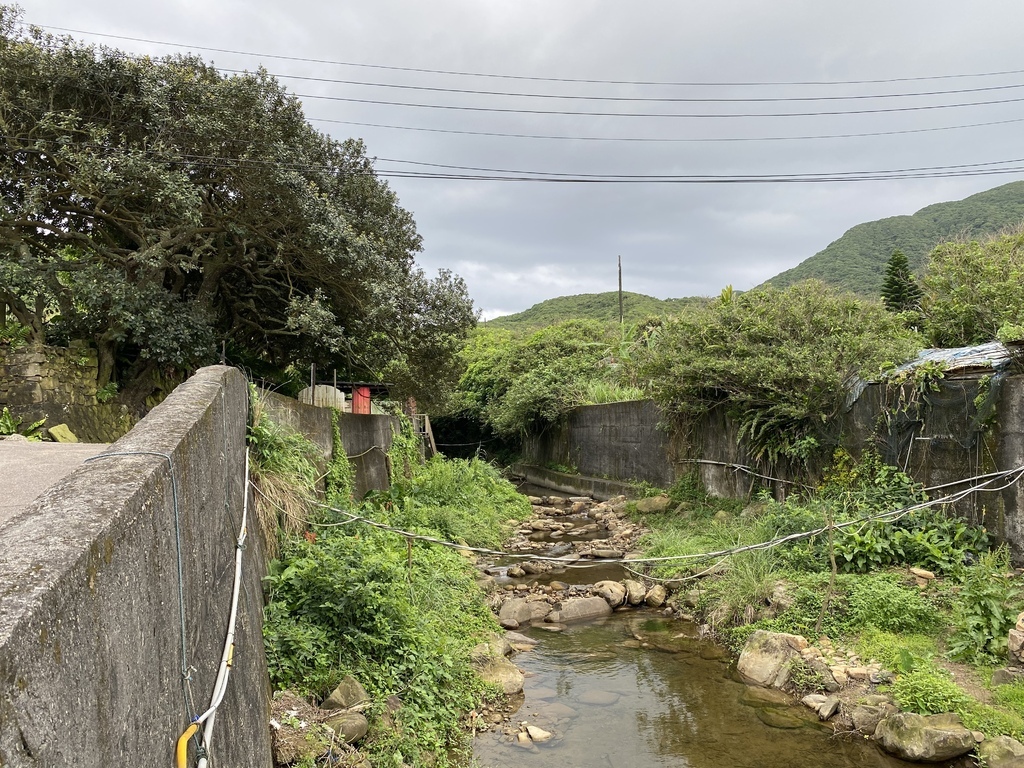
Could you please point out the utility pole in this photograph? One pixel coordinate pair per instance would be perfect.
(620, 290)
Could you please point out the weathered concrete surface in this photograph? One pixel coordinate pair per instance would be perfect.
(942, 440)
(28, 469)
(366, 438)
(622, 441)
(578, 485)
(90, 637)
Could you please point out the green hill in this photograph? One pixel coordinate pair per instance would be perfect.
(857, 260)
(590, 306)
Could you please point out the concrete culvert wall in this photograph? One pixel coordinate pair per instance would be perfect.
(90, 633)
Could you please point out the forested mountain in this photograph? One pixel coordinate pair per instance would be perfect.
(857, 260)
(590, 306)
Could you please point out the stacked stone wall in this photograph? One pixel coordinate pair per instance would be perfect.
(58, 385)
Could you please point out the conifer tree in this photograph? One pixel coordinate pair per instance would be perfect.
(900, 290)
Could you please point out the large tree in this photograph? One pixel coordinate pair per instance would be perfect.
(156, 207)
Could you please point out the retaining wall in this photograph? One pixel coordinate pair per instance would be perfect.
(366, 438)
(943, 440)
(58, 384)
(90, 636)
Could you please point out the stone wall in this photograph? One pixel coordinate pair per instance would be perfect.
(94, 577)
(58, 384)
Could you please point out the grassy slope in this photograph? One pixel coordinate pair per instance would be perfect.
(590, 306)
(857, 260)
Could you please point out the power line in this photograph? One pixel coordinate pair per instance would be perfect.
(644, 139)
(685, 115)
(653, 99)
(487, 174)
(531, 78)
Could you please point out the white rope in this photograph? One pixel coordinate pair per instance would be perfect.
(1012, 476)
(220, 687)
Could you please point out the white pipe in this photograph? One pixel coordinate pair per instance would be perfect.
(220, 687)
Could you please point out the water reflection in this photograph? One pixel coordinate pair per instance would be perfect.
(635, 691)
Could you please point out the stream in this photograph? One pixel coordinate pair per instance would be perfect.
(638, 690)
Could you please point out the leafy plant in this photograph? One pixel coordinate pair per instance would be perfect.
(928, 691)
(107, 392)
(11, 425)
(985, 611)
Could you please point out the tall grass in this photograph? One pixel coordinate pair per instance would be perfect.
(284, 471)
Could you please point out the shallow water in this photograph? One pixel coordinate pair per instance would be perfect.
(638, 691)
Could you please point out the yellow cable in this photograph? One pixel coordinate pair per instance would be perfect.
(182, 751)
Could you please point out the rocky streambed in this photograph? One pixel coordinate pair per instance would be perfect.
(611, 671)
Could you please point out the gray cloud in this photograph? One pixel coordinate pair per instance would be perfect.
(519, 243)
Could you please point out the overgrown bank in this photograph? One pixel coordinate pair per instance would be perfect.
(894, 597)
(350, 601)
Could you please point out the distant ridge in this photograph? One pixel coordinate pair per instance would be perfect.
(603, 307)
(857, 260)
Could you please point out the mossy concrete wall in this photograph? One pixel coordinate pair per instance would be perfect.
(58, 384)
(90, 636)
(620, 441)
(366, 438)
(963, 429)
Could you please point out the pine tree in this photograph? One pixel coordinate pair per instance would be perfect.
(900, 290)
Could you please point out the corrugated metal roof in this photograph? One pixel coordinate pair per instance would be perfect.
(964, 361)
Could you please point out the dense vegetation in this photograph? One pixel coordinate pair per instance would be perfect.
(517, 383)
(354, 599)
(156, 208)
(974, 291)
(600, 307)
(857, 260)
(780, 363)
(870, 605)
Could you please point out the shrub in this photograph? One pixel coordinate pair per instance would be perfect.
(778, 361)
(973, 288)
(985, 611)
(879, 600)
(928, 691)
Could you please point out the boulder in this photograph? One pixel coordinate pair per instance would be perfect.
(930, 739)
(767, 658)
(1007, 675)
(1001, 752)
(350, 727)
(579, 609)
(518, 609)
(653, 504)
(656, 596)
(538, 735)
(866, 717)
(501, 672)
(635, 591)
(494, 645)
(1015, 646)
(349, 693)
(611, 591)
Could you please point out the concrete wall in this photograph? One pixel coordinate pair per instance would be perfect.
(90, 638)
(618, 440)
(944, 441)
(366, 438)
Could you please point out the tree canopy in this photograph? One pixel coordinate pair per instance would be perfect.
(157, 207)
(779, 361)
(974, 289)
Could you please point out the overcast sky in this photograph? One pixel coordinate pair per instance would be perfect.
(520, 242)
